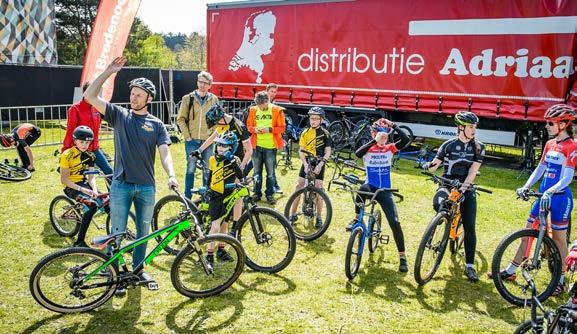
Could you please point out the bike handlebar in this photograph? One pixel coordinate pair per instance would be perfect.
(349, 163)
(454, 183)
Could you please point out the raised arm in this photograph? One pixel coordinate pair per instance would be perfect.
(91, 93)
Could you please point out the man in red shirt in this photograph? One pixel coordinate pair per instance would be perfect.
(83, 113)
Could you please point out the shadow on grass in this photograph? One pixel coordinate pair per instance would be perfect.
(459, 294)
(321, 245)
(51, 239)
(257, 282)
(209, 310)
(40, 323)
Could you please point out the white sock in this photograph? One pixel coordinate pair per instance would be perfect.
(511, 268)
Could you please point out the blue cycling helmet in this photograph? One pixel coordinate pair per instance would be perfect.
(213, 115)
(317, 111)
(226, 138)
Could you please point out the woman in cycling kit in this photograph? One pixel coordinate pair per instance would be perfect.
(556, 168)
(462, 157)
(377, 156)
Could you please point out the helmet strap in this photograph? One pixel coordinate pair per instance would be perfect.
(464, 134)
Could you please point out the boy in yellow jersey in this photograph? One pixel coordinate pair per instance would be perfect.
(73, 163)
(316, 140)
(223, 169)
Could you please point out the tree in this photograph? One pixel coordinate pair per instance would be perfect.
(153, 53)
(192, 55)
(73, 21)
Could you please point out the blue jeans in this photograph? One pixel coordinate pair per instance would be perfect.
(266, 156)
(122, 195)
(190, 146)
(102, 163)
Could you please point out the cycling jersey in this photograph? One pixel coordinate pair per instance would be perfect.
(458, 157)
(315, 140)
(378, 161)
(557, 155)
(77, 163)
(221, 173)
(241, 132)
(25, 134)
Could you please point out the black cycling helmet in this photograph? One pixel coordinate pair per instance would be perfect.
(6, 140)
(213, 115)
(465, 118)
(145, 84)
(226, 138)
(83, 133)
(317, 111)
(560, 112)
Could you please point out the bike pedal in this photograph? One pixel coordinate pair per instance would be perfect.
(384, 239)
(152, 286)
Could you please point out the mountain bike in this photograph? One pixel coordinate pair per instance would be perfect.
(268, 239)
(420, 155)
(340, 165)
(350, 133)
(13, 172)
(540, 257)
(303, 216)
(446, 228)
(66, 213)
(361, 232)
(81, 279)
(560, 321)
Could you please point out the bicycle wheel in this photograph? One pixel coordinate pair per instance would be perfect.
(130, 227)
(305, 224)
(192, 276)
(544, 276)
(526, 327)
(339, 132)
(166, 213)
(375, 231)
(354, 253)
(65, 216)
(54, 282)
(457, 244)
(274, 248)
(14, 173)
(432, 248)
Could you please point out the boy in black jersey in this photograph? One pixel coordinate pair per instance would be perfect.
(461, 158)
(224, 169)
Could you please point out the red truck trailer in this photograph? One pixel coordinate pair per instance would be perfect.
(417, 62)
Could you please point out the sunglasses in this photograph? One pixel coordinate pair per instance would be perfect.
(384, 130)
(223, 145)
(203, 82)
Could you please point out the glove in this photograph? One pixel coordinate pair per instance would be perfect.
(426, 166)
(545, 203)
(195, 154)
(571, 260)
(522, 192)
(228, 155)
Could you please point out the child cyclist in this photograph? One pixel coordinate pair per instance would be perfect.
(223, 169)
(556, 170)
(73, 163)
(317, 141)
(377, 156)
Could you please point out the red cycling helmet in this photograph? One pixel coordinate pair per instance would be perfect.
(560, 112)
(5, 140)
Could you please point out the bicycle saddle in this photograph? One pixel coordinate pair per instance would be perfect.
(103, 241)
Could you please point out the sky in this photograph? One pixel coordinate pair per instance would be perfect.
(176, 16)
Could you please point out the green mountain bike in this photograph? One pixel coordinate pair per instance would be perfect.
(81, 279)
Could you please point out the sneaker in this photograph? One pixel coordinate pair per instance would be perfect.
(319, 222)
(256, 198)
(222, 255)
(349, 226)
(559, 289)
(270, 200)
(403, 267)
(293, 218)
(505, 276)
(277, 190)
(210, 259)
(148, 280)
(120, 292)
(471, 274)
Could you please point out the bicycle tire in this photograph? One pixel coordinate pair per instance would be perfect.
(355, 244)
(457, 244)
(375, 233)
(189, 273)
(527, 326)
(165, 213)
(304, 227)
(130, 227)
(49, 269)
(66, 219)
(14, 173)
(438, 247)
(339, 133)
(279, 236)
(508, 290)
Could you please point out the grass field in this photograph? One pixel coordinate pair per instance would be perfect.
(312, 295)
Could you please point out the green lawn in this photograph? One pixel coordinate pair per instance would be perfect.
(311, 296)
